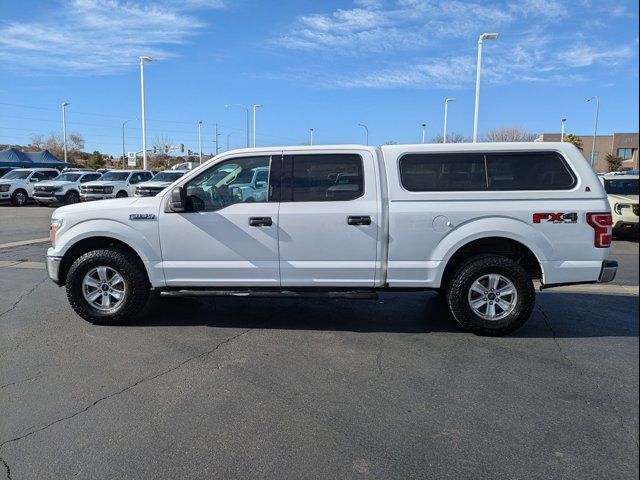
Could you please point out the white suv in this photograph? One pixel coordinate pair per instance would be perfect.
(17, 185)
(65, 188)
(622, 191)
(114, 184)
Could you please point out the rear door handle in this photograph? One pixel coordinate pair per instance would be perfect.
(359, 220)
(260, 222)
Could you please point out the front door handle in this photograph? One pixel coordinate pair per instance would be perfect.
(260, 222)
(359, 220)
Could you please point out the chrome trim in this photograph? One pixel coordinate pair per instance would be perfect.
(53, 268)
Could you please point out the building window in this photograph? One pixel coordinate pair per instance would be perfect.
(625, 153)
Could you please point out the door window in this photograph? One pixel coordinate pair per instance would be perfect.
(225, 183)
(324, 178)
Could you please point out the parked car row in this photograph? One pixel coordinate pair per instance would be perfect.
(48, 186)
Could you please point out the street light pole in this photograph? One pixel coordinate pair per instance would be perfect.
(200, 139)
(311, 136)
(246, 111)
(255, 107)
(595, 128)
(483, 37)
(143, 108)
(123, 150)
(228, 135)
(562, 129)
(64, 129)
(366, 129)
(424, 132)
(446, 114)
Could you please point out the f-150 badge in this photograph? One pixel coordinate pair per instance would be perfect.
(142, 216)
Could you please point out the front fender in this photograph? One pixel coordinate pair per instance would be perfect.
(111, 229)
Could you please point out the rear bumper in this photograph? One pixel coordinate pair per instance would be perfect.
(625, 226)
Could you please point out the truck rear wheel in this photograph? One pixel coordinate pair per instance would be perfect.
(491, 295)
(107, 286)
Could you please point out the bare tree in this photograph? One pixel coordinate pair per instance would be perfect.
(55, 144)
(451, 138)
(509, 134)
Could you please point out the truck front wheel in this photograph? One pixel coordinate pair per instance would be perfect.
(107, 286)
(490, 295)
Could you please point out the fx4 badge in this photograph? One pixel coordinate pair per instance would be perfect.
(142, 216)
(555, 217)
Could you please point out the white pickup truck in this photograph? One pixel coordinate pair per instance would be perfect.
(476, 222)
(114, 184)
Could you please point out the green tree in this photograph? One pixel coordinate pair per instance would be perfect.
(613, 162)
(571, 138)
(95, 160)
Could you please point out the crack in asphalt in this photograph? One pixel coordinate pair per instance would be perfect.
(572, 363)
(142, 380)
(21, 297)
(6, 467)
(19, 381)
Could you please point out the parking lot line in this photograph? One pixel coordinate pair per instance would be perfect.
(22, 264)
(24, 242)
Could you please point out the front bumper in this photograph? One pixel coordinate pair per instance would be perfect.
(88, 197)
(53, 268)
(5, 195)
(48, 198)
(626, 226)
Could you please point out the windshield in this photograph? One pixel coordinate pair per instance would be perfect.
(68, 177)
(115, 176)
(17, 175)
(622, 186)
(167, 176)
(244, 176)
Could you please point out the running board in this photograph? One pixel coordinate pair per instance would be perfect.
(350, 295)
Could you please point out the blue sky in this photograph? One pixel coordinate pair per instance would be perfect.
(329, 65)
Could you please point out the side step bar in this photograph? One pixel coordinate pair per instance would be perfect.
(350, 295)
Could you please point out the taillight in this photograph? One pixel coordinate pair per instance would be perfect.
(602, 224)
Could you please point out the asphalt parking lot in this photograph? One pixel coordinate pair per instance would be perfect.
(284, 388)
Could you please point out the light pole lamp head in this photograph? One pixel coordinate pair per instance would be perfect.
(147, 59)
(449, 100)
(199, 122)
(424, 125)
(65, 104)
(258, 106)
(489, 36)
(592, 98)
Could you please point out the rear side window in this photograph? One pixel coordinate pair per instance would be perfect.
(528, 171)
(326, 178)
(482, 172)
(443, 172)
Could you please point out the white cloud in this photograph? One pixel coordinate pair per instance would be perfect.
(100, 36)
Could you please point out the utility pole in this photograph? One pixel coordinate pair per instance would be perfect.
(446, 115)
(255, 107)
(216, 135)
(595, 129)
(483, 37)
(143, 108)
(366, 129)
(228, 135)
(124, 154)
(64, 129)
(200, 139)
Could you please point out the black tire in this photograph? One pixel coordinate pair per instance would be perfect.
(135, 279)
(71, 198)
(121, 194)
(19, 198)
(459, 284)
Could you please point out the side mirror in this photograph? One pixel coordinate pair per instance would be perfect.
(177, 203)
(34, 180)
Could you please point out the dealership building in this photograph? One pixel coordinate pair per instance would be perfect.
(623, 145)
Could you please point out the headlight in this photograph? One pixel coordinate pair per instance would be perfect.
(619, 206)
(57, 189)
(56, 224)
(108, 189)
(4, 188)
